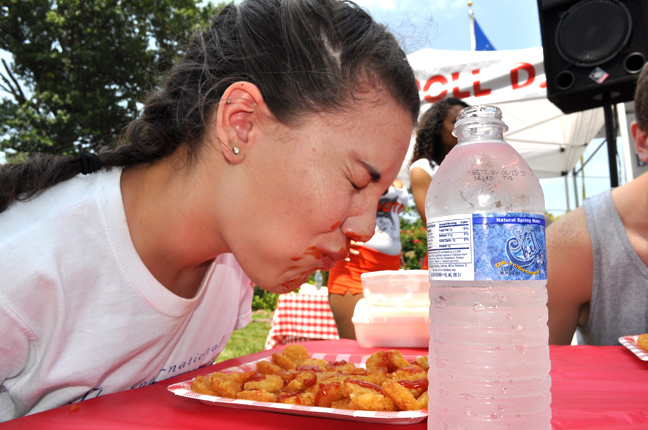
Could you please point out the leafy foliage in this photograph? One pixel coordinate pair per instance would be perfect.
(81, 66)
(263, 299)
(414, 243)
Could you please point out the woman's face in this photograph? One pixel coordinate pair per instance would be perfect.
(304, 192)
(449, 141)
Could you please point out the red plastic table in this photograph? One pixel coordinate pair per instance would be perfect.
(300, 318)
(593, 387)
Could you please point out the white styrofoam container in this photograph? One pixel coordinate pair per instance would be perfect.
(391, 327)
(396, 288)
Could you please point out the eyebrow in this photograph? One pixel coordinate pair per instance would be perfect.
(375, 175)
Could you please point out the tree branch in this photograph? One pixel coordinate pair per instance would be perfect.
(16, 91)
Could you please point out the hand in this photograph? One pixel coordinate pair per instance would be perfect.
(353, 244)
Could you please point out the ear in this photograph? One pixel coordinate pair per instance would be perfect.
(237, 119)
(641, 140)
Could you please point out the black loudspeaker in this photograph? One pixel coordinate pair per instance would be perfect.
(593, 50)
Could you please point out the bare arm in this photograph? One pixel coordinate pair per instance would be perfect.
(569, 283)
(420, 182)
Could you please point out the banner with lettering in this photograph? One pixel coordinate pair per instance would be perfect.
(550, 141)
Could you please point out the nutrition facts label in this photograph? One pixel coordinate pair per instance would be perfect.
(450, 250)
(488, 246)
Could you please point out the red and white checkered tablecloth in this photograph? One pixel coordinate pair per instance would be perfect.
(300, 318)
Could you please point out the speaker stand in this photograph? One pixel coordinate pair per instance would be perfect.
(610, 136)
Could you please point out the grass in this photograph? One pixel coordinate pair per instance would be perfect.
(249, 339)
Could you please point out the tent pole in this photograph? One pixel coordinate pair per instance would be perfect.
(610, 135)
(567, 193)
(576, 204)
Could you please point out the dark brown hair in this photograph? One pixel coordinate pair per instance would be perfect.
(428, 134)
(304, 56)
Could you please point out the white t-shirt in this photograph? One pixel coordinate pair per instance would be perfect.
(429, 166)
(80, 314)
(386, 238)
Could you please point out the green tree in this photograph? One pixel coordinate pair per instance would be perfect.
(80, 67)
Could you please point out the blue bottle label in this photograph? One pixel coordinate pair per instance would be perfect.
(487, 247)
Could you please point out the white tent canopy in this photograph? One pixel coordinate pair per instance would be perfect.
(550, 141)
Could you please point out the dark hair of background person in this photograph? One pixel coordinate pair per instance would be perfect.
(641, 99)
(428, 143)
(305, 56)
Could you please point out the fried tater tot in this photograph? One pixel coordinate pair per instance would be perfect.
(241, 377)
(642, 341)
(311, 364)
(267, 368)
(257, 396)
(401, 396)
(329, 393)
(396, 360)
(225, 384)
(297, 398)
(413, 378)
(259, 381)
(375, 378)
(201, 385)
(341, 404)
(283, 361)
(302, 382)
(346, 368)
(422, 361)
(295, 353)
(371, 402)
(423, 400)
(367, 396)
(410, 373)
(386, 361)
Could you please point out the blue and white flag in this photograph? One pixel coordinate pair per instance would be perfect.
(481, 41)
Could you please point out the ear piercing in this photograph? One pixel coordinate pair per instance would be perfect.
(228, 101)
(236, 150)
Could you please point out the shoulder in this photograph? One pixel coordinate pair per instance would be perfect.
(569, 235)
(422, 164)
(63, 201)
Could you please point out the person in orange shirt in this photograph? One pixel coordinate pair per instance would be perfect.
(381, 252)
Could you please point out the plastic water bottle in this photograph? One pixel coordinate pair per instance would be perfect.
(489, 352)
(317, 278)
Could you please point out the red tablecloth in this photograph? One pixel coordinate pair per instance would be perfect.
(301, 318)
(593, 387)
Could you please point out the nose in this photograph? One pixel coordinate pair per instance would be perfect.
(360, 227)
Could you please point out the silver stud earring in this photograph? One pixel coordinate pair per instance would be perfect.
(236, 150)
(228, 101)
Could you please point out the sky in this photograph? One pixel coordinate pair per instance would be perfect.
(508, 24)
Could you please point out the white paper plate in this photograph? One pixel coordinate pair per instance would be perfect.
(183, 389)
(630, 342)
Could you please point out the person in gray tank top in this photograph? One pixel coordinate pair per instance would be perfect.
(598, 256)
